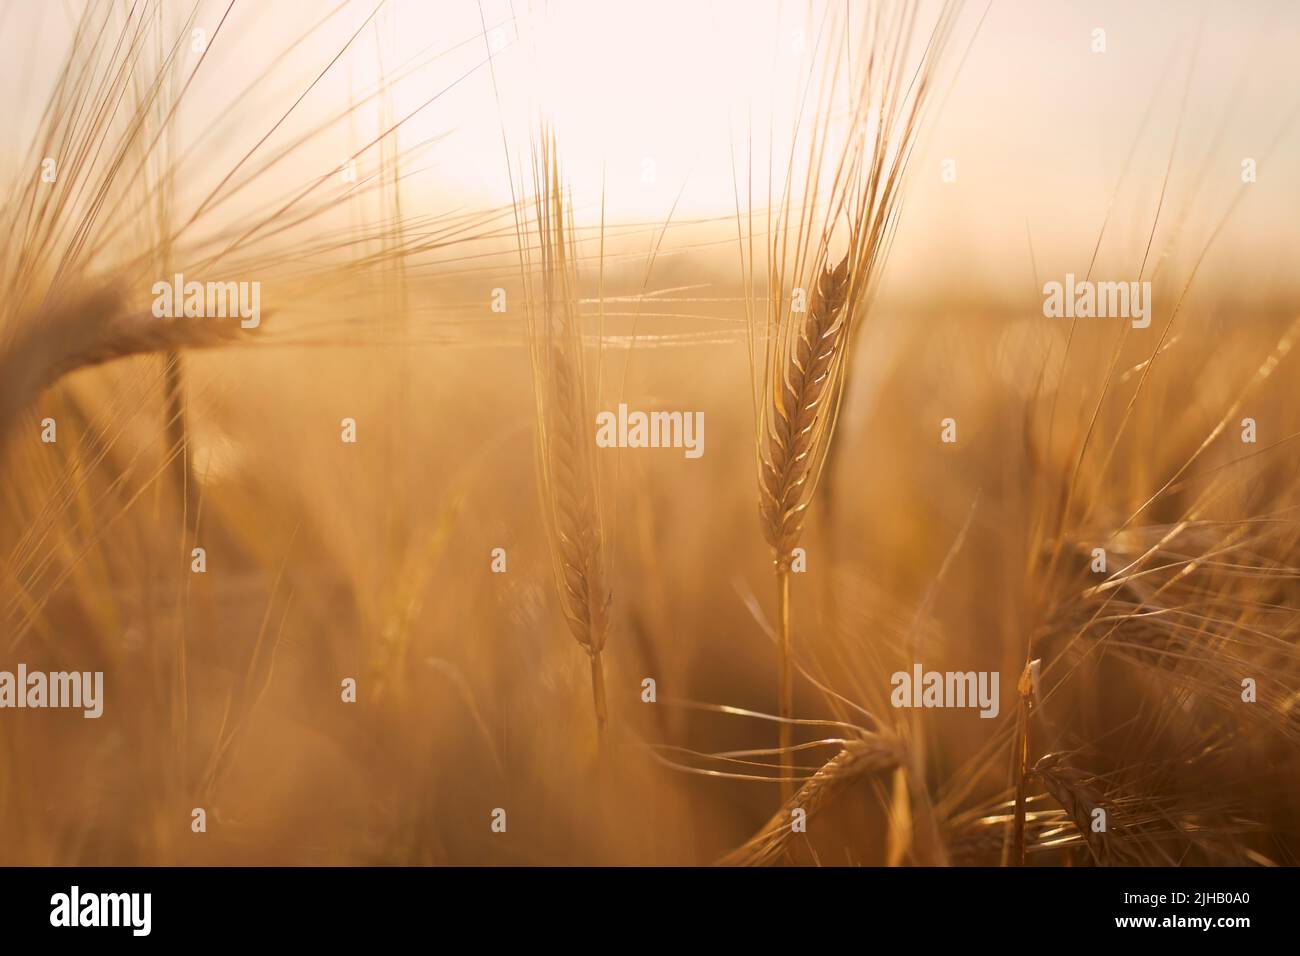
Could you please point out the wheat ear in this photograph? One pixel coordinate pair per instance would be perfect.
(566, 448)
(1078, 796)
(84, 331)
(860, 758)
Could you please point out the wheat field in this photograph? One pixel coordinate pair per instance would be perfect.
(523, 433)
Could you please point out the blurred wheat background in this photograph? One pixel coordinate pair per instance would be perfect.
(642, 186)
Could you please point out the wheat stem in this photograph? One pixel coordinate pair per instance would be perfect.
(598, 695)
(179, 439)
(786, 709)
(1027, 687)
(1022, 772)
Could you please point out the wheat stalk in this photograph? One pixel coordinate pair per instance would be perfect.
(566, 452)
(1026, 688)
(786, 469)
(805, 354)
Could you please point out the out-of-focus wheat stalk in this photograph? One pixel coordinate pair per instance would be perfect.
(81, 332)
(860, 759)
(566, 451)
(1078, 796)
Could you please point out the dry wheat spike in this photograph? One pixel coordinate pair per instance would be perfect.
(82, 331)
(1073, 789)
(860, 758)
(799, 413)
(566, 452)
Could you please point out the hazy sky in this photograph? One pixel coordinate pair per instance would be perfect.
(654, 104)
